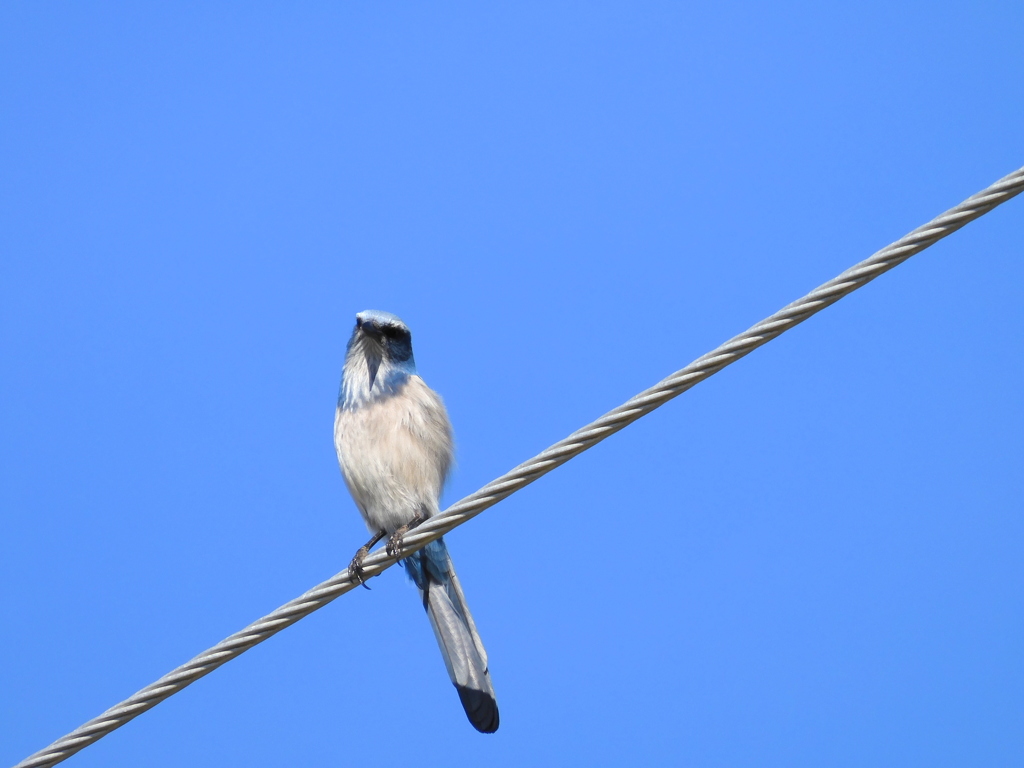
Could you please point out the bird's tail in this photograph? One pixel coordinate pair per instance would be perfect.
(464, 655)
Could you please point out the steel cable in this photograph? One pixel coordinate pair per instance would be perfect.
(527, 472)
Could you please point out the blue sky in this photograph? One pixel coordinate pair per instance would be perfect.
(814, 558)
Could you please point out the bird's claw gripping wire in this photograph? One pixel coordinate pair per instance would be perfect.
(355, 568)
(394, 545)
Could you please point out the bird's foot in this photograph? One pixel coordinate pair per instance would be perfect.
(394, 545)
(355, 568)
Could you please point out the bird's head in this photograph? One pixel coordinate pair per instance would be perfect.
(383, 335)
(379, 353)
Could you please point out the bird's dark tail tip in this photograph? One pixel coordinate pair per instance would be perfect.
(481, 708)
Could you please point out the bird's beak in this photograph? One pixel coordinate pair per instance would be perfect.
(368, 327)
(370, 330)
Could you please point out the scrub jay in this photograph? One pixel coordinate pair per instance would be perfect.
(394, 444)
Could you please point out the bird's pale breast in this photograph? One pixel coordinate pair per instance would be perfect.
(395, 453)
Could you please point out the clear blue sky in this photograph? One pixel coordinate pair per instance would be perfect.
(814, 558)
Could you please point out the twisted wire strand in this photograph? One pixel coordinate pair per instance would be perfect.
(539, 465)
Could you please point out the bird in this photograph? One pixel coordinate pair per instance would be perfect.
(395, 448)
